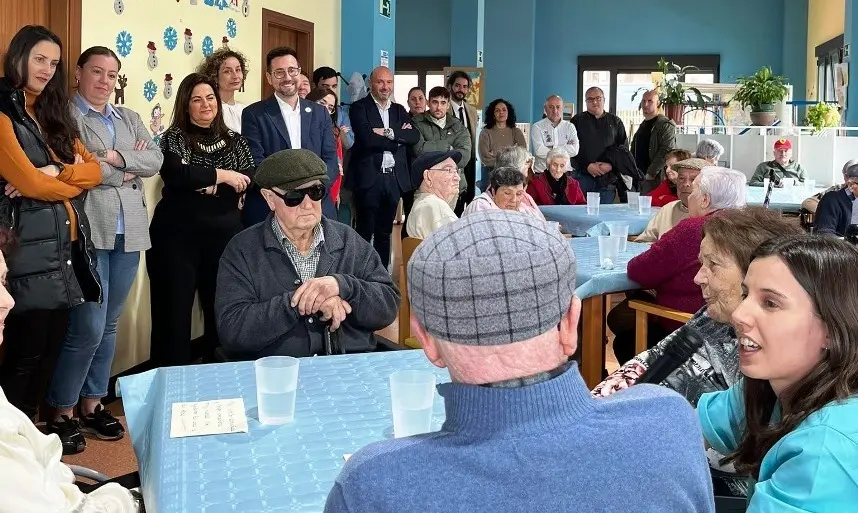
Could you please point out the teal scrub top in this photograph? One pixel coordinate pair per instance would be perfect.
(813, 468)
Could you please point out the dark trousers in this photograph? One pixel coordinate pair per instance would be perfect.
(180, 263)
(470, 187)
(589, 184)
(621, 322)
(407, 204)
(32, 341)
(375, 209)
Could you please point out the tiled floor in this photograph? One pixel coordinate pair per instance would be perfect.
(117, 458)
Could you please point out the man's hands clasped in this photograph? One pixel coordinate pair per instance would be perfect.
(322, 295)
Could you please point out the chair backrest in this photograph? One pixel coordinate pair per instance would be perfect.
(409, 244)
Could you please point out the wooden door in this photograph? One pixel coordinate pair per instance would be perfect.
(282, 30)
(61, 16)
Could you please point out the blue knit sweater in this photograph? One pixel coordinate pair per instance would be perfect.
(547, 447)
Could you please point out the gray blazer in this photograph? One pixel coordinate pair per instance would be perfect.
(102, 203)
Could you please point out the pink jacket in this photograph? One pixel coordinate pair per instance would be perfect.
(485, 201)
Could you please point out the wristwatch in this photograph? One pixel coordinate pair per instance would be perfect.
(60, 166)
(388, 132)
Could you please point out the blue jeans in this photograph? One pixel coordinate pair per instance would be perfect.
(589, 184)
(83, 367)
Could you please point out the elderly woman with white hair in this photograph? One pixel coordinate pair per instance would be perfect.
(709, 150)
(555, 186)
(668, 267)
(506, 191)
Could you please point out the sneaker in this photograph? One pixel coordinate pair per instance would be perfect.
(70, 436)
(102, 425)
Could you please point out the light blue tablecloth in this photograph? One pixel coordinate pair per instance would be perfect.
(782, 199)
(575, 221)
(591, 279)
(343, 404)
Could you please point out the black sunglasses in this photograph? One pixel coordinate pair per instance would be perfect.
(294, 197)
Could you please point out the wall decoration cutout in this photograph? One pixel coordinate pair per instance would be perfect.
(123, 43)
(156, 125)
(245, 8)
(149, 90)
(208, 46)
(152, 60)
(225, 42)
(220, 4)
(231, 28)
(171, 38)
(122, 81)
(189, 43)
(119, 6)
(168, 86)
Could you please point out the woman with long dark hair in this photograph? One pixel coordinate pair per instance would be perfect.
(120, 231)
(206, 168)
(499, 132)
(45, 171)
(790, 423)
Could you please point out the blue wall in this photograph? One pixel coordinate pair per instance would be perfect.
(757, 33)
(422, 27)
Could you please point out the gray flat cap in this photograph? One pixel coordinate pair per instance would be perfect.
(493, 277)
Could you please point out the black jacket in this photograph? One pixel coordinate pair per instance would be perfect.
(622, 163)
(368, 150)
(48, 271)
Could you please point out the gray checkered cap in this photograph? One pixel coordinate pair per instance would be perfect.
(494, 277)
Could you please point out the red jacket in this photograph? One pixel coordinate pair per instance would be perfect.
(541, 191)
(669, 267)
(662, 195)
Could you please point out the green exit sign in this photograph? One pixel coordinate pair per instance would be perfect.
(384, 8)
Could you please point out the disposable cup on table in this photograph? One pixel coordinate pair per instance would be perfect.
(620, 229)
(609, 251)
(276, 388)
(593, 201)
(412, 393)
(766, 182)
(634, 200)
(645, 206)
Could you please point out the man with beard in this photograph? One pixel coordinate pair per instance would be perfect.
(654, 138)
(459, 83)
(285, 121)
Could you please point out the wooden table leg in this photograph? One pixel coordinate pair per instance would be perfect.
(593, 340)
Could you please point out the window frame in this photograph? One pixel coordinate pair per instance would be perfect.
(827, 55)
(421, 66)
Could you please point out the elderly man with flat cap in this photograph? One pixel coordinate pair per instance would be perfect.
(438, 191)
(283, 282)
(521, 432)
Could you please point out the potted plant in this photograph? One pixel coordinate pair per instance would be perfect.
(822, 115)
(672, 94)
(761, 91)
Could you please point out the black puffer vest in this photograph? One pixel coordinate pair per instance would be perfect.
(48, 271)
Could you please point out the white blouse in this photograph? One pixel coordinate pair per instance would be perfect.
(32, 478)
(232, 116)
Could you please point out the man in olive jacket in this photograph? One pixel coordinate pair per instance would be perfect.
(653, 139)
(442, 131)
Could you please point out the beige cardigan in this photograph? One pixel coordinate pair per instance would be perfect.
(492, 139)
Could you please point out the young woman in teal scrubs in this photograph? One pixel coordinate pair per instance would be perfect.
(792, 422)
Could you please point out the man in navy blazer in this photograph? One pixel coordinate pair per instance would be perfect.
(378, 172)
(284, 121)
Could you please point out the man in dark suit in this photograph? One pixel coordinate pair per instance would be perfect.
(284, 121)
(379, 170)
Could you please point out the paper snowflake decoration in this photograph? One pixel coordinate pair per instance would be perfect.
(231, 28)
(171, 38)
(149, 90)
(123, 43)
(208, 46)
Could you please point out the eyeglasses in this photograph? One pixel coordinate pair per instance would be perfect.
(325, 105)
(595, 99)
(280, 72)
(295, 197)
(449, 169)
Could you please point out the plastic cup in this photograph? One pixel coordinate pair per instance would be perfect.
(554, 225)
(412, 393)
(609, 251)
(593, 201)
(766, 182)
(620, 229)
(645, 205)
(276, 388)
(634, 200)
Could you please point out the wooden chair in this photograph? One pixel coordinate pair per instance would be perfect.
(409, 244)
(643, 310)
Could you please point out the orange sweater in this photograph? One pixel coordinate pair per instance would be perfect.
(32, 183)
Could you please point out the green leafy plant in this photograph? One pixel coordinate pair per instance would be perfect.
(822, 115)
(761, 90)
(670, 88)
